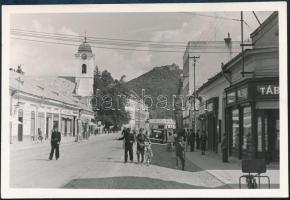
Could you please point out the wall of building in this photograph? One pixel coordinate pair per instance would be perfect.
(267, 35)
(40, 111)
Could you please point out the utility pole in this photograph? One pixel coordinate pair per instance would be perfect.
(194, 62)
(242, 43)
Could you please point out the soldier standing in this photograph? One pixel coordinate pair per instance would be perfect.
(180, 153)
(129, 139)
(192, 140)
(224, 147)
(55, 141)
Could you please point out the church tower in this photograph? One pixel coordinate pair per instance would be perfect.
(85, 69)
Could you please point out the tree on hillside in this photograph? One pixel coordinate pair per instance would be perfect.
(108, 106)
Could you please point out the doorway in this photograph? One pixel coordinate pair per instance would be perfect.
(20, 125)
(268, 135)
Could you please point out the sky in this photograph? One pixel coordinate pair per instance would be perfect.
(40, 59)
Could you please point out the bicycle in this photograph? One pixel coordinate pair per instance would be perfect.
(148, 153)
(251, 182)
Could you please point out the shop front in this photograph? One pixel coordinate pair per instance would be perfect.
(252, 118)
(68, 118)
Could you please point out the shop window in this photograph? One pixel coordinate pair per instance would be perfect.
(259, 133)
(277, 140)
(209, 107)
(32, 125)
(266, 134)
(242, 93)
(41, 123)
(235, 128)
(231, 97)
(247, 125)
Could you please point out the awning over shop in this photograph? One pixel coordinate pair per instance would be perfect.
(267, 105)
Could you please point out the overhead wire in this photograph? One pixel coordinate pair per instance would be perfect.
(193, 46)
(103, 47)
(109, 39)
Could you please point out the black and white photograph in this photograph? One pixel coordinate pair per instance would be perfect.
(144, 100)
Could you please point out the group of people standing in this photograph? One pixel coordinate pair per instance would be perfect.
(131, 137)
(195, 140)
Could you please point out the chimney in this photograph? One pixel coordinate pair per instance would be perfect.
(228, 43)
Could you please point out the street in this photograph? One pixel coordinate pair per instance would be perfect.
(98, 163)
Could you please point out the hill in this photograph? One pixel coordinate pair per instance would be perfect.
(160, 84)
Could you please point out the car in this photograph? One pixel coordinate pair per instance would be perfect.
(157, 136)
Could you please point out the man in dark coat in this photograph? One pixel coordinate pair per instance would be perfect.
(129, 139)
(203, 139)
(224, 147)
(192, 140)
(180, 153)
(197, 139)
(55, 140)
(141, 138)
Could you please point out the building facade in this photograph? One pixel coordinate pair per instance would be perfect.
(242, 100)
(195, 73)
(39, 103)
(138, 110)
(211, 117)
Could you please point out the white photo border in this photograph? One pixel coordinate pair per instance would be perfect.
(8, 10)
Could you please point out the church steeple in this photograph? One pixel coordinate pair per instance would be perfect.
(84, 69)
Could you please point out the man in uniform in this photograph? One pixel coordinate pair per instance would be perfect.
(203, 139)
(180, 153)
(129, 139)
(192, 140)
(55, 140)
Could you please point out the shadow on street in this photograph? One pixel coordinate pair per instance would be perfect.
(129, 182)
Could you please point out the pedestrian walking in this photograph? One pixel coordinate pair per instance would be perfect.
(40, 137)
(129, 139)
(180, 152)
(197, 138)
(55, 141)
(224, 147)
(141, 138)
(203, 139)
(192, 140)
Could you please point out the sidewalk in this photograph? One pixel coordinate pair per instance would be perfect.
(16, 146)
(230, 172)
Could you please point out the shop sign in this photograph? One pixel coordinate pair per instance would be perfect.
(268, 90)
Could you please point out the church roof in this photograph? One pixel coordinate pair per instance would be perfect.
(85, 47)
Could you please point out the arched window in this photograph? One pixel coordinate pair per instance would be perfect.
(84, 69)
